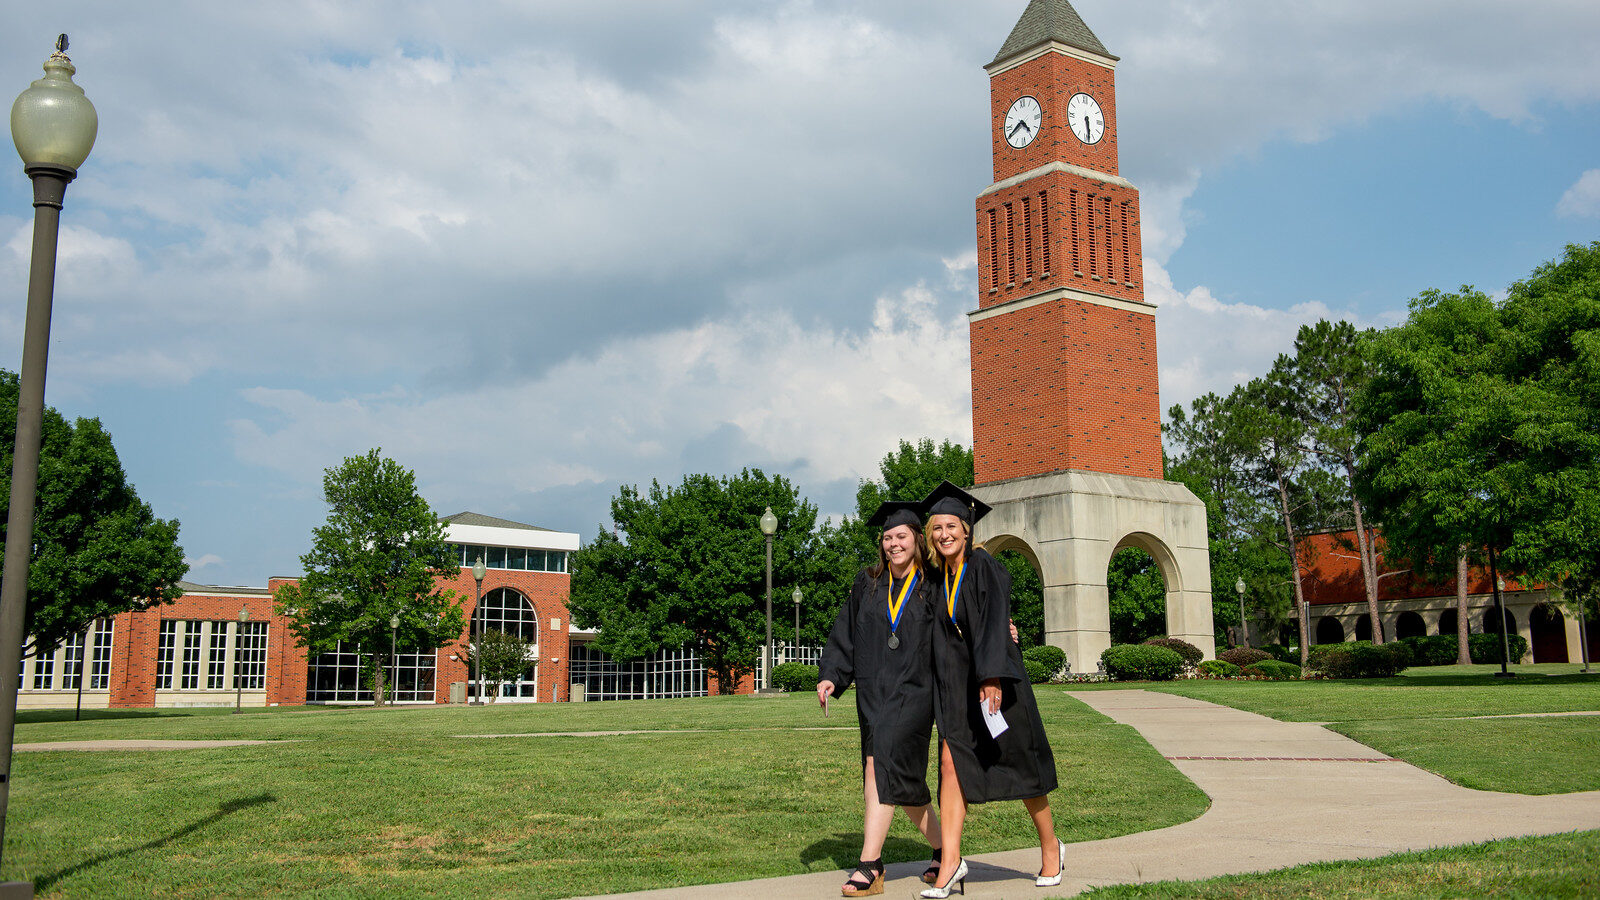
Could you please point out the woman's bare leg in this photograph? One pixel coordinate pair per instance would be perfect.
(1049, 850)
(927, 822)
(952, 814)
(875, 818)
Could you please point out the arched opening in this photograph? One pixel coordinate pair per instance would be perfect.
(1549, 634)
(1363, 627)
(1491, 621)
(1141, 579)
(1410, 624)
(1027, 587)
(1329, 631)
(1449, 623)
(507, 611)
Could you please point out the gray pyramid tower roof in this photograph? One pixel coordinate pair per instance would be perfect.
(1050, 20)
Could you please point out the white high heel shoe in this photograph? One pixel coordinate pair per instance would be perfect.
(1061, 858)
(958, 878)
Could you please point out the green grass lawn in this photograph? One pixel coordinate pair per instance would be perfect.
(1565, 865)
(388, 803)
(1420, 717)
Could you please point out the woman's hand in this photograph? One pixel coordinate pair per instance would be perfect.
(824, 691)
(989, 695)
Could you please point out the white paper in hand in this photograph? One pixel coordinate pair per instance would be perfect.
(995, 721)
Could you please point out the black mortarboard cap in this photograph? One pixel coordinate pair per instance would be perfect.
(949, 500)
(895, 513)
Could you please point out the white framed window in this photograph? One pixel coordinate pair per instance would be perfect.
(335, 677)
(166, 652)
(250, 656)
(100, 656)
(227, 649)
(192, 645)
(217, 658)
(515, 559)
(667, 673)
(44, 669)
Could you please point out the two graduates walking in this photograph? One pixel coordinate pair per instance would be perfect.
(925, 637)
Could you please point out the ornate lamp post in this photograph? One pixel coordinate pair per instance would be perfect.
(478, 570)
(1505, 636)
(53, 125)
(1244, 627)
(394, 657)
(797, 597)
(238, 676)
(769, 527)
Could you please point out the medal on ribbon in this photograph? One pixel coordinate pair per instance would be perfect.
(897, 606)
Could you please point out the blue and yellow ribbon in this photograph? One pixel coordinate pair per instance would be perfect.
(897, 604)
(952, 595)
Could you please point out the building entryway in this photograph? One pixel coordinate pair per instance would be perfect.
(1549, 629)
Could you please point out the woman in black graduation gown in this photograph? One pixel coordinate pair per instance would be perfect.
(978, 667)
(880, 641)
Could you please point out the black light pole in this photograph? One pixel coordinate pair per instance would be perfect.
(53, 125)
(238, 676)
(478, 570)
(394, 657)
(769, 527)
(797, 597)
(1244, 627)
(1500, 601)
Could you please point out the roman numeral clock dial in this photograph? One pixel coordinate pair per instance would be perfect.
(1022, 122)
(1084, 118)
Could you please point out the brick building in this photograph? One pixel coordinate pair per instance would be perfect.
(1408, 606)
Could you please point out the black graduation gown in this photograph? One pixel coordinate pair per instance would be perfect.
(1018, 765)
(894, 687)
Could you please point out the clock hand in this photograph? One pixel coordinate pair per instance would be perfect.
(1021, 124)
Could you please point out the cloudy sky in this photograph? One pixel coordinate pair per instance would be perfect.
(536, 250)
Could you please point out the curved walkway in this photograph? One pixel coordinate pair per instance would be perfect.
(1282, 794)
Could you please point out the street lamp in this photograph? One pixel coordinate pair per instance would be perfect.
(1244, 627)
(394, 658)
(769, 527)
(53, 125)
(238, 676)
(797, 597)
(478, 570)
(1505, 637)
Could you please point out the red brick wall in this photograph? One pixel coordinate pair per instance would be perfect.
(1065, 385)
(1059, 230)
(548, 592)
(1330, 572)
(1052, 79)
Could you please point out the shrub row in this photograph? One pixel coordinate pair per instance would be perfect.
(793, 676)
(1359, 659)
(1190, 653)
(1141, 662)
(1442, 649)
(1049, 660)
(1271, 668)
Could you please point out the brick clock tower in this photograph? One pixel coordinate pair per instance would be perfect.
(1066, 415)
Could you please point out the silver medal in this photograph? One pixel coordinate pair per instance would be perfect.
(894, 641)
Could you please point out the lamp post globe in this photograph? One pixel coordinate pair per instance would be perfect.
(53, 126)
(478, 571)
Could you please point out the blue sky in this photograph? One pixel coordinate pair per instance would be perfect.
(538, 250)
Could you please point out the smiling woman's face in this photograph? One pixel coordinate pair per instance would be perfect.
(949, 535)
(899, 548)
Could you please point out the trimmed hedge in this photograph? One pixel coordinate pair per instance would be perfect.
(1139, 662)
(794, 677)
(1037, 672)
(1359, 659)
(1243, 656)
(1054, 659)
(1218, 668)
(1488, 648)
(1283, 654)
(1190, 653)
(1272, 668)
(1443, 649)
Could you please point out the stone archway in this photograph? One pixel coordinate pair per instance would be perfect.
(1069, 524)
(1410, 624)
(1364, 627)
(1549, 630)
(1329, 631)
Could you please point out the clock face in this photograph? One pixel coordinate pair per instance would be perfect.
(1085, 119)
(1022, 122)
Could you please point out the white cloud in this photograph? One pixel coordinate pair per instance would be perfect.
(204, 561)
(1582, 200)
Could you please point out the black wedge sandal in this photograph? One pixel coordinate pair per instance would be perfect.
(872, 871)
(932, 874)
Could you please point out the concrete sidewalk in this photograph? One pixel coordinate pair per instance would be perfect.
(1282, 794)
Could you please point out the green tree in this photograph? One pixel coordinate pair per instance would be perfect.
(505, 657)
(1138, 597)
(685, 565)
(98, 549)
(380, 554)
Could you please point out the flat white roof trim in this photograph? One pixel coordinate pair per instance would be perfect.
(510, 537)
